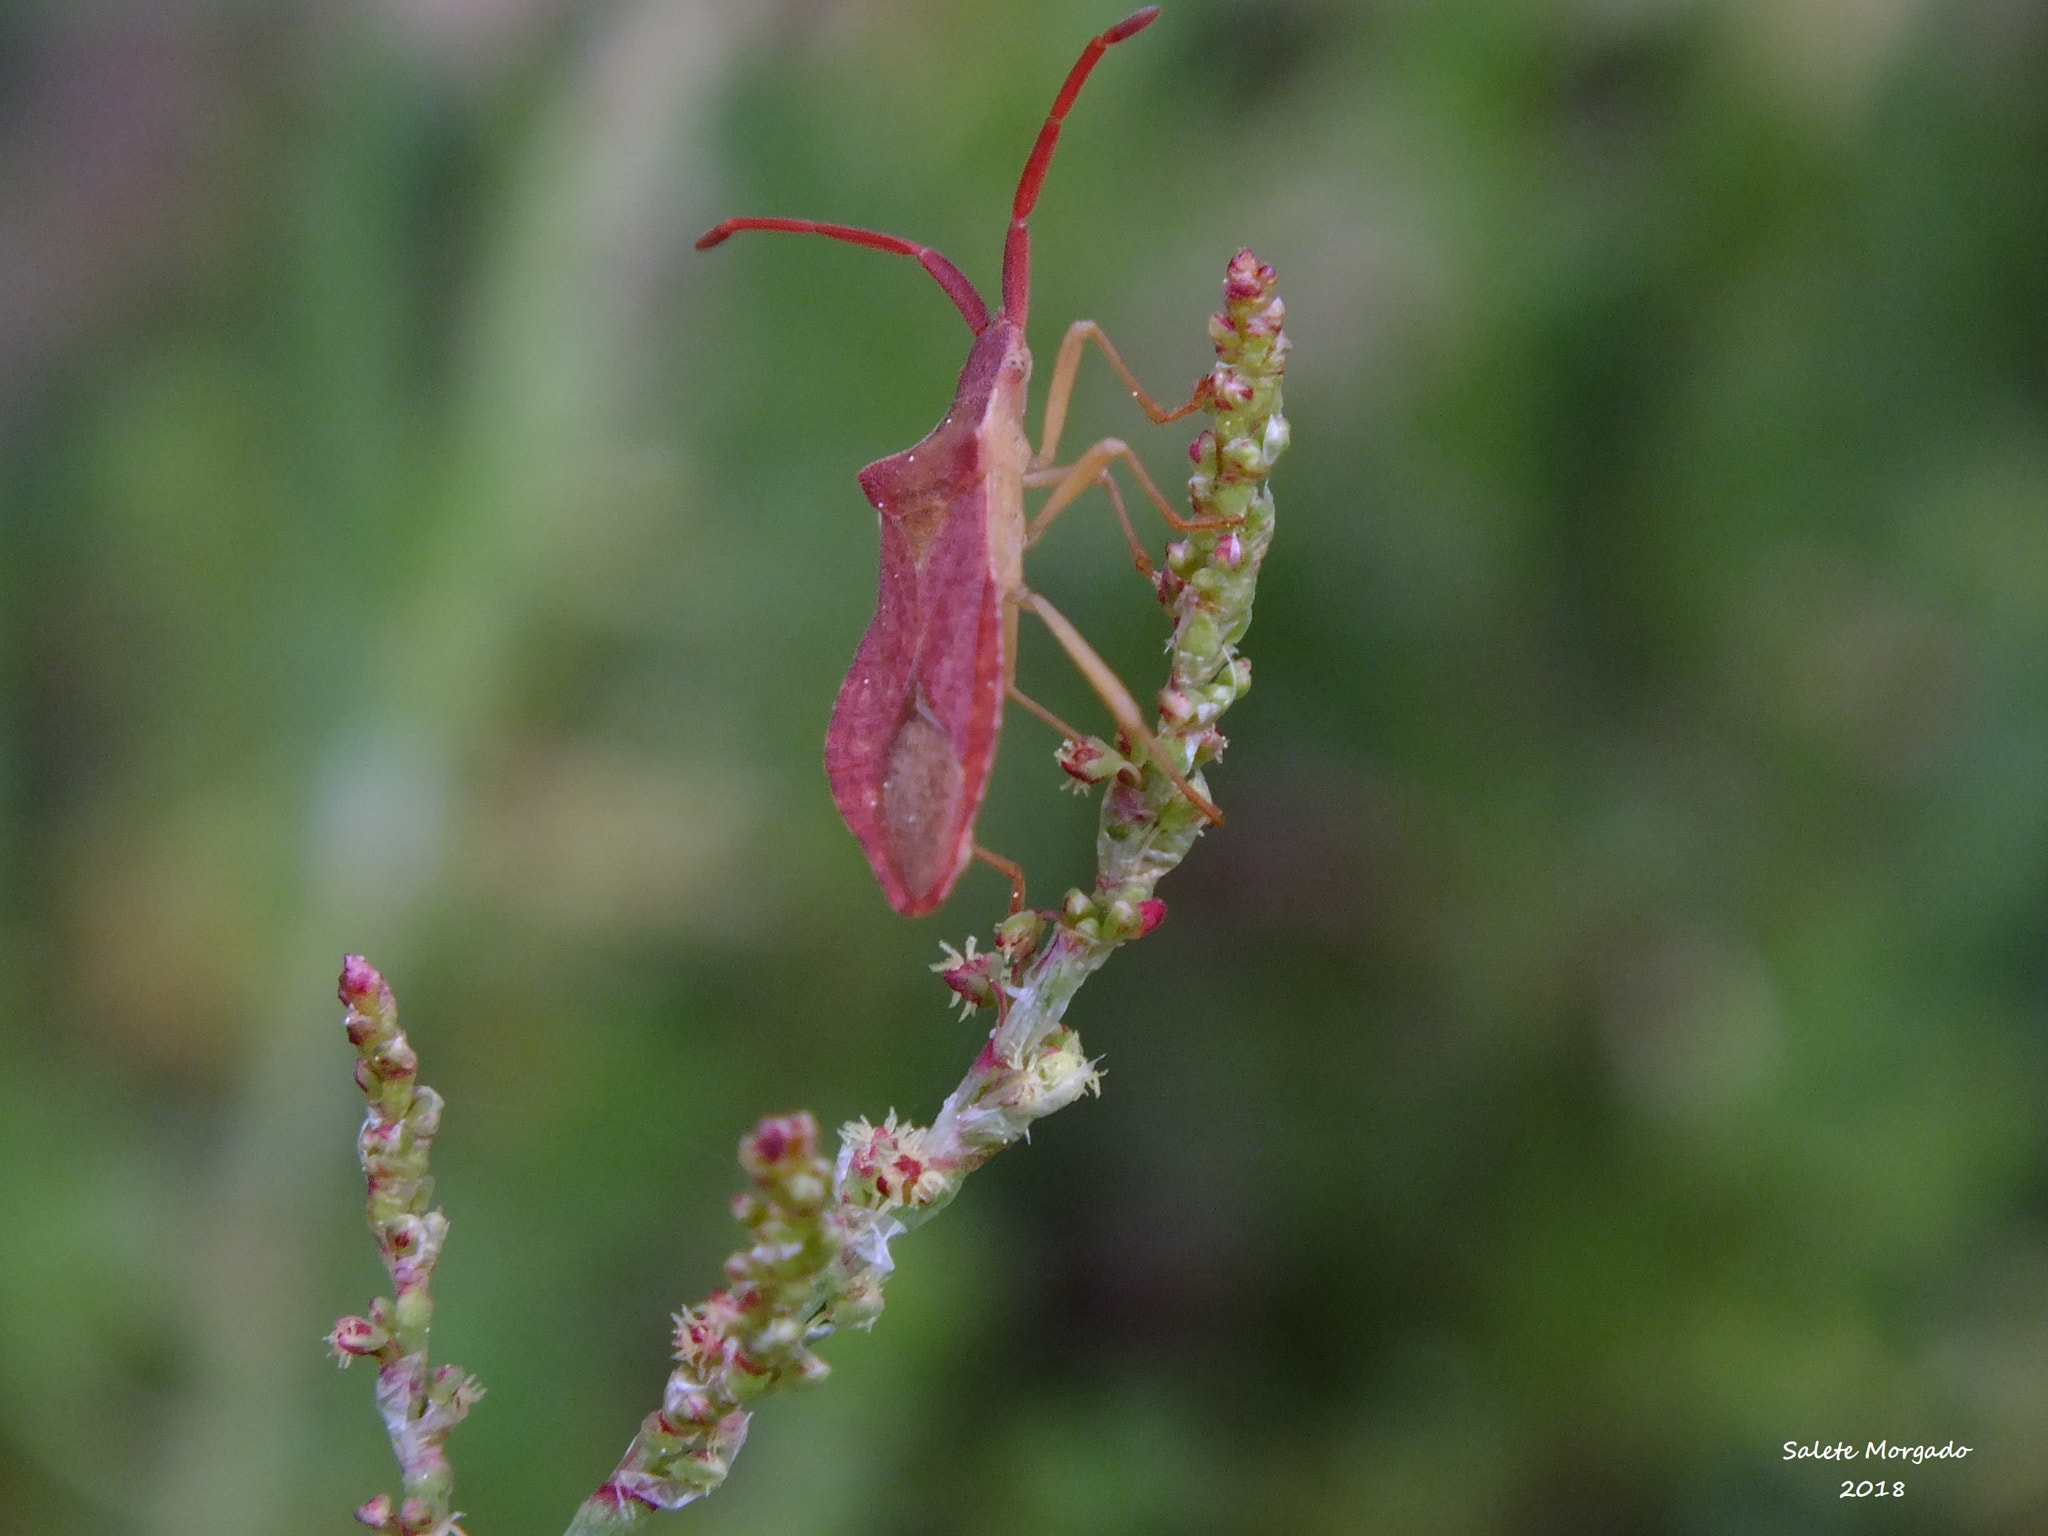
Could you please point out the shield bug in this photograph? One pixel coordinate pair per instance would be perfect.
(913, 734)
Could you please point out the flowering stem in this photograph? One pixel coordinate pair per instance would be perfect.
(822, 1232)
(420, 1406)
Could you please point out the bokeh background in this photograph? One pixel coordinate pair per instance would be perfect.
(1606, 1042)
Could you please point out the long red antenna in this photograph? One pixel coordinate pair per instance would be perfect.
(1017, 248)
(949, 277)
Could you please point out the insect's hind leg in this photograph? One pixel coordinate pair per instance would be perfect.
(1111, 690)
(1060, 388)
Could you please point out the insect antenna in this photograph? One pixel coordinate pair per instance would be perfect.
(1017, 248)
(948, 276)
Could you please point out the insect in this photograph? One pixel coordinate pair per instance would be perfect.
(914, 731)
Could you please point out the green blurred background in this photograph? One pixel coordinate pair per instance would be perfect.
(1606, 1042)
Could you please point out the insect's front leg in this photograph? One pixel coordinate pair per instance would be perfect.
(1060, 388)
(1070, 480)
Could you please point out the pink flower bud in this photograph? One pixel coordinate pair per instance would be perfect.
(361, 984)
(1243, 459)
(684, 1402)
(394, 1060)
(405, 1237)
(1230, 389)
(1018, 934)
(1151, 913)
(1229, 552)
(976, 978)
(376, 1513)
(1089, 761)
(380, 1138)
(779, 1144)
(1246, 279)
(1268, 321)
(353, 1338)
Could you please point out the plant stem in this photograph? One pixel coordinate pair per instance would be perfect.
(420, 1406)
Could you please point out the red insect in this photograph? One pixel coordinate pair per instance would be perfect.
(913, 735)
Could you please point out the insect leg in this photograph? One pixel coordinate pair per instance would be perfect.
(1089, 467)
(1111, 690)
(1008, 868)
(1061, 387)
(1038, 709)
(1071, 482)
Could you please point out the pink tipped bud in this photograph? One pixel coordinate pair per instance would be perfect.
(380, 1139)
(354, 1338)
(360, 981)
(1229, 553)
(1018, 934)
(976, 978)
(1247, 279)
(416, 1517)
(1268, 320)
(1089, 761)
(1203, 447)
(376, 1513)
(406, 1237)
(779, 1144)
(393, 1061)
(1151, 913)
(1229, 389)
